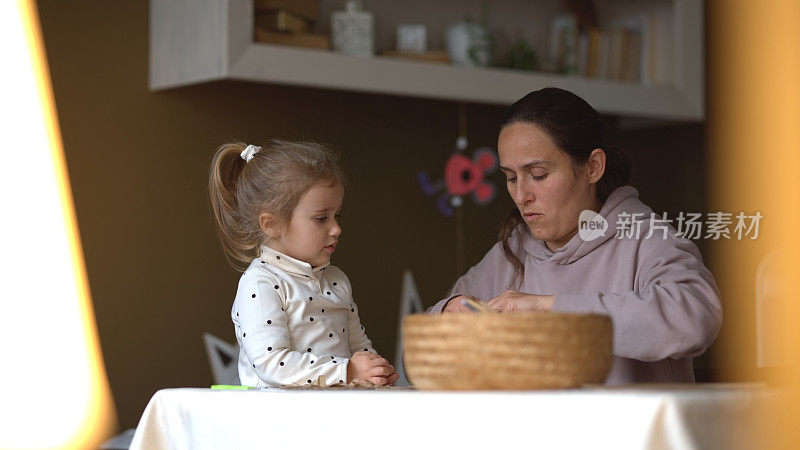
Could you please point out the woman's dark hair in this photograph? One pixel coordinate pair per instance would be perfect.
(576, 129)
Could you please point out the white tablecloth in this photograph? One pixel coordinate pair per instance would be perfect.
(656, 417)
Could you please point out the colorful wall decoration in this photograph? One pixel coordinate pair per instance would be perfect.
(463, 175)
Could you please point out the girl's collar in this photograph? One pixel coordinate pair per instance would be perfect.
(271, 256)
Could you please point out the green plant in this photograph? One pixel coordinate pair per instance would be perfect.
(521, 56)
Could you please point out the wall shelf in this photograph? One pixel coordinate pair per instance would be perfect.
(195, 41)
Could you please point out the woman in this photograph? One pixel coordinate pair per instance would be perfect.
(662, 300)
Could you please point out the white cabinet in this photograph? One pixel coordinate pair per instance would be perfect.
(194, 41)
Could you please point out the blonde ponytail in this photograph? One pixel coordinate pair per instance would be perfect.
(273, 181)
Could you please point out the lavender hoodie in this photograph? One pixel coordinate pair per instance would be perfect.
(663, 301)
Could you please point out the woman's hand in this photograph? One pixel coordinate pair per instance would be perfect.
(455, 305)
(370, 367)
(510, 301)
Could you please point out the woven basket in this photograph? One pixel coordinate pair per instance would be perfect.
(529, 350)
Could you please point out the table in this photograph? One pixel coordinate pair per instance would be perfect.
(639, 416)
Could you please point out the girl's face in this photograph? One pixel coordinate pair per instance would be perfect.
(541, 181)
(313, 231)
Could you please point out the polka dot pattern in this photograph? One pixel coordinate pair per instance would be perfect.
(293, 285)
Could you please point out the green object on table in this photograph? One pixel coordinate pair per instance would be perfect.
(228, 387)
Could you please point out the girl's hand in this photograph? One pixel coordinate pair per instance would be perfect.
(392, 379)
(510, 301)
(370, 367)
(455, 305)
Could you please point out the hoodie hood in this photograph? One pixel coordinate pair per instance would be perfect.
(624, 199)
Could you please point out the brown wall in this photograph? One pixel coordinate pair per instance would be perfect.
(138, 163)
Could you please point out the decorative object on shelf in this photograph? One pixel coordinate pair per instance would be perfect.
(353, 30)
(309, 9)
(412, 38)
(282, 20)
(469, 43)
(520, 56)
(288, 22)
(564, 43)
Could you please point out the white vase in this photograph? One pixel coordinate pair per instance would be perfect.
(353, 30)
(463, 37)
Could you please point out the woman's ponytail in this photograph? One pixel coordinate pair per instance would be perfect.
(617, 174)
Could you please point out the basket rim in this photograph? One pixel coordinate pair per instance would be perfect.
(536, 315)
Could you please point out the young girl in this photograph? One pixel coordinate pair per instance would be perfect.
(276, 209)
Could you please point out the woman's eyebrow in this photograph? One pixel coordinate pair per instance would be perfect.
(530, 164)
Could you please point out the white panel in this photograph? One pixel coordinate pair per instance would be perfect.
(187, 41)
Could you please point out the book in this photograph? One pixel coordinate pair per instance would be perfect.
(583, 54)
(593, 66)
(309, 9)
(616, 43)
(282, 20)
(604, 58)
(632, 67)
(308, 40)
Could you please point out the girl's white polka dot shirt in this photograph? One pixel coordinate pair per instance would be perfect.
(295, 322)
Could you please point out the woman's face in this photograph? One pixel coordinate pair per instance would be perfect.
(549, 193)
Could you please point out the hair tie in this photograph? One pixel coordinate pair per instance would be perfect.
(248, 152)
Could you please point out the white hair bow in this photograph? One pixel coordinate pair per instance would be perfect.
(248, 152)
